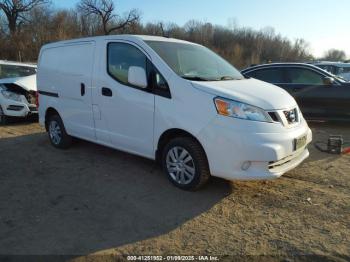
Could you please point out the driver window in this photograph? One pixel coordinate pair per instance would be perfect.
(303, 76)
(270, 75)
(121, 57)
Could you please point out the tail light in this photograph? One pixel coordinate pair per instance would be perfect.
(37, 99)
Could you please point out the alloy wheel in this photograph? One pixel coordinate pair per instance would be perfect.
(180, 165)
(55, 132)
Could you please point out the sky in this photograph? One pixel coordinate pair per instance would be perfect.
(324, 24)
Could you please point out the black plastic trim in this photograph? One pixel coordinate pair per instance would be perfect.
(15, 108)
(44, 93)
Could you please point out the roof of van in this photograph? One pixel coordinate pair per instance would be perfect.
(120, 37)
(5, 62)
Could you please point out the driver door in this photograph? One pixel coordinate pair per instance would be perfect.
(123, 113)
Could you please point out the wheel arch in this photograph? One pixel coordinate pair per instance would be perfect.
(171, 134)
(50, 112)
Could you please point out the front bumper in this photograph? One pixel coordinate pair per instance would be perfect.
(247, 150)
(17, 109)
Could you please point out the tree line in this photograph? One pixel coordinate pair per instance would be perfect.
(26, 25)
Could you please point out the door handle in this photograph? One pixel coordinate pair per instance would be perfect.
(82, 89)
(106, 91)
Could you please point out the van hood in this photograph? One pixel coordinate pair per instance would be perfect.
(28, 83)
(250, 91)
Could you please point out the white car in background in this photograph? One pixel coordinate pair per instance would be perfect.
(336, 68)
(18, 91)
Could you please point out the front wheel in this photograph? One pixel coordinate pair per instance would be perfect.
(57, 133)
(185, 163)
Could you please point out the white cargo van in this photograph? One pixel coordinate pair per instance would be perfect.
(172, 101)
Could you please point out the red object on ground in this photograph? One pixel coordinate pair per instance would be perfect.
(346, 150)
(37, 99)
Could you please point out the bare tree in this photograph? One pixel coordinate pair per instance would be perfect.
(241, 46)
(104, 9)
(335, 55)
(155, 29)
(15, 11)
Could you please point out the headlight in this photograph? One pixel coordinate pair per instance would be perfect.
(11, 95)
(240, 110)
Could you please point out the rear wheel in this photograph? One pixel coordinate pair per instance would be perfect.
(3, 117)
(185, 163)
(57, 133)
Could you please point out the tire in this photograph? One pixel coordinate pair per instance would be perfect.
(185, 163)
(57, 133)
(3, 117)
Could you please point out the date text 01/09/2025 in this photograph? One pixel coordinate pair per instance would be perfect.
(172, 258)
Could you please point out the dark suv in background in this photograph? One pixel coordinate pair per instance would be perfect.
(320, 95)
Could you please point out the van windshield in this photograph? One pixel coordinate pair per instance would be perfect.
(195, 62)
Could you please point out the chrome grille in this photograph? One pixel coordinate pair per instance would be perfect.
(287, 118)
(291, 116)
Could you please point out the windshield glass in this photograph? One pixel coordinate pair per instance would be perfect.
(337, 77)
(343, 70)
(195, 62)
(12, 71)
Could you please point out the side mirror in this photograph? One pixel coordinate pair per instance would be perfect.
(328, 81)
(137, 76)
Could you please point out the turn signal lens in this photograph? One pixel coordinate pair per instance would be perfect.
(222, 107)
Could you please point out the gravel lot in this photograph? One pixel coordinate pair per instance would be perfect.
(91, 199)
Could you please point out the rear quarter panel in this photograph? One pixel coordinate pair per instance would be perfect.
(61, 70)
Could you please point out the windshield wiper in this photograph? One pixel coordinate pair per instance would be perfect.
(223, 78)
(199, 78)
(196, 78)
(226, 78)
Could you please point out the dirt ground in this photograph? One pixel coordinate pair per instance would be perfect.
(94, 200)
